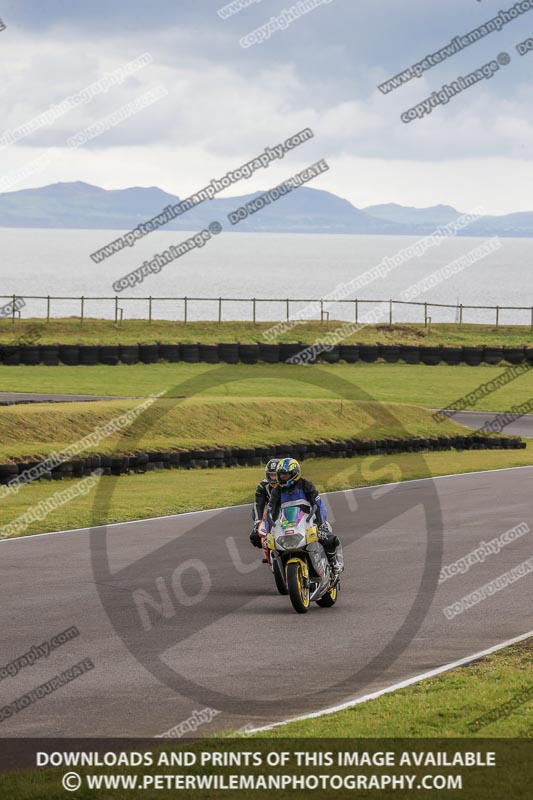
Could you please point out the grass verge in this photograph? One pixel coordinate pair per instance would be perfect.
(433, 387)
(27, 430)
(443, 706)
(177, 491)
(100, 331)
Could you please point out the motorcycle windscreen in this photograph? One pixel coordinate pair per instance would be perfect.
(291, 514)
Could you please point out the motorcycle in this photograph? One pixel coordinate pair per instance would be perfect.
(298, 560)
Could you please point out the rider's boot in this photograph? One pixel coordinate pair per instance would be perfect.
(336, 560)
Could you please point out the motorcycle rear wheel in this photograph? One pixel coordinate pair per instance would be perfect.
(298, 592)
(329, 599)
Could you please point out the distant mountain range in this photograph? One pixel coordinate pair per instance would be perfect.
(305, 210)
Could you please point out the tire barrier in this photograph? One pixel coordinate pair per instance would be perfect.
(410, 353)
(149, 353)
(431, 356)
(109, 354)
(89, 355)
(389, 353)
(170, 353)
(128, 353)
(190, 353)
(452, 356)
(69, 354)
(247, 353)
(514, 355)
(257, 456)
(493, 355)
(49, 354)
(368, 353)
(289, 350)
(330, 356)
(349, 353)
(208, 354)
(269, 353)
(30, 355)
(228, 353)
(473, 356)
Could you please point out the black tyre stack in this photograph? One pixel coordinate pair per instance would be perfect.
(349, 353)
(69, 354)
(228, 352)
(170, 353)
(129, 353)
(368, 353)
(410, 353)
(473, 356)
(390, 353)
(49, 354)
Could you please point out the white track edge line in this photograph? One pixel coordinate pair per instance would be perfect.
(244, 505)
(402, 685)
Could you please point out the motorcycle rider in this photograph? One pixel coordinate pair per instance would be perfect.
(262, 496)
(291, 486)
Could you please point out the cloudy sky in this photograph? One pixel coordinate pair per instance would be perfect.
(225, 102)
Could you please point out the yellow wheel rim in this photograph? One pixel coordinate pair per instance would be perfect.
(304, 590)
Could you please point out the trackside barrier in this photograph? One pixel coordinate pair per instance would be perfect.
(234, 352)
(256, 456)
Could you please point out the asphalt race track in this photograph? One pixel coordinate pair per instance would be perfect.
(523, 426)
(8, 398)
(216, 634)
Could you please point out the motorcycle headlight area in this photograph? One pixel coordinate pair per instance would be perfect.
(290, 542)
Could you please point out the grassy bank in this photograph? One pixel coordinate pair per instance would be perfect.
(442, 706)
(99, 331)
(37, 430)
(177, 491)
(433, 387)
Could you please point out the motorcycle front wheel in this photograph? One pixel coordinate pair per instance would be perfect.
(277, 569)
(298, 591)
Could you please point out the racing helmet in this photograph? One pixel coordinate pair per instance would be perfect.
(289, 471)
(270, 471)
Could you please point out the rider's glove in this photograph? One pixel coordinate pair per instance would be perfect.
(255, 538)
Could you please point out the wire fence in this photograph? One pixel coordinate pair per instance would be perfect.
(258, 309)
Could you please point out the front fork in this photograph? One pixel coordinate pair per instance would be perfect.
(266, 551)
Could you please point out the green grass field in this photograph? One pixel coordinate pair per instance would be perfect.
(99, 331)
(155, 494)
(171, 424)
(432, 387)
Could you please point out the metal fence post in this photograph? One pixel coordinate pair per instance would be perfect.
(497, 315)
(185, 310)
(356, 311)
(460, 314)
(150, 308)
(116, 309)
(48, 308)
(425, 315)
(287, 303)
(82, 309)
(253, 301)
(390, 313)
(220, 309)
